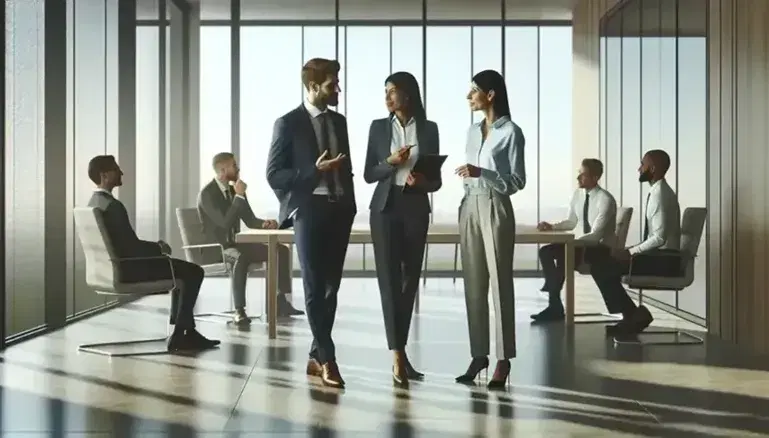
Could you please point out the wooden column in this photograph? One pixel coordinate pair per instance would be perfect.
(738, 201)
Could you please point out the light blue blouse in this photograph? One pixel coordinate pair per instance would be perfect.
(500, 157)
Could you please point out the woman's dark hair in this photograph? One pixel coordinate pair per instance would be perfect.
(406, 83)
(488, 80)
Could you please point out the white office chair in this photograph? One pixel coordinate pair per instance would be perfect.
(200, 250)
(692, 227)
(102, 273)
(624, 214)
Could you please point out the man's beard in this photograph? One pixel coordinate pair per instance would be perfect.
(331, 100)
(645, 177)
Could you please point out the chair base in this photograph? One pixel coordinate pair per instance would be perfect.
(692, 338)
(98, 348)
(222, 317)
(605, 318)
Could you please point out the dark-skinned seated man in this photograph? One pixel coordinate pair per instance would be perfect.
(657, 255)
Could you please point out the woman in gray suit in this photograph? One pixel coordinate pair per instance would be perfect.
(494, 170)
(400, 209)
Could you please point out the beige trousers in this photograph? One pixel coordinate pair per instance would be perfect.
(487, 240)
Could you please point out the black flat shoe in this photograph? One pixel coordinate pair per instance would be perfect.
(285, 309)
(550, 314)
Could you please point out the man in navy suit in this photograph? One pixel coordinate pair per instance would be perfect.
(309, 170)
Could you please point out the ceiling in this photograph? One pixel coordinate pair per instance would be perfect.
(391, 10)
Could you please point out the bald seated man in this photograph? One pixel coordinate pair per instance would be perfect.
(658, 254)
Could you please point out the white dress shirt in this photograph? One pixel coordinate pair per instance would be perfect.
(500, 157)
(663, 216)
(404, 136)
(601, 216)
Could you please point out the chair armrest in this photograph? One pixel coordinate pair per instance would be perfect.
(131, 259)
(207, 245)
(202, 245)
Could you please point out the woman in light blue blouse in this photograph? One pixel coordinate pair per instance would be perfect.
(494, 171)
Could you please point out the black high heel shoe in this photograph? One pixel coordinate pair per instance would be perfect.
(501, 375)
(477, 365)
(412, 373)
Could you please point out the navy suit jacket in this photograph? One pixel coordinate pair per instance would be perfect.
(291, 170)
(377, 170)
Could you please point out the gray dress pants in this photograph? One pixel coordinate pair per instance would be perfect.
(487, 241)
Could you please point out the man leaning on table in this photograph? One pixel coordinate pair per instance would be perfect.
(657, 255)
(593, 217)
(222, 204)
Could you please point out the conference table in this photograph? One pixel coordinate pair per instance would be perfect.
(437, 234)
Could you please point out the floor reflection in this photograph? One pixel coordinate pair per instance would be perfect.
(564, 382)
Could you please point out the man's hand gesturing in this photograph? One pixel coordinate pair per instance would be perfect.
(324, 164)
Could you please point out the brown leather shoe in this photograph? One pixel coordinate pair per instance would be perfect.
(330, 376)
(314, 368)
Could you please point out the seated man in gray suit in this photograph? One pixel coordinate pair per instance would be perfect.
(104, 171)
(222, 204)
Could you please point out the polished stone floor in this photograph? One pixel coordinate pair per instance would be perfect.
(564, 383)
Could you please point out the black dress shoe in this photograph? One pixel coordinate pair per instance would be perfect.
(627, 338)
(617, 329)
(191, 340)
(550, 314)
(202, 340)
(412, 373)
(641, 319)
(181, 342)
(176, 341)
(286, 309)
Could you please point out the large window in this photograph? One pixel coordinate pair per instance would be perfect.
(265, 95)
(25, 173)
(447, 85)
(148, 132)
(365, 96)
(536, 62)
(654, 96)
(555, 174)
(522, 43)
(215, 93)
(92, 131)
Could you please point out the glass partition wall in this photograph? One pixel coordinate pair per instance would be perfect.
(654, 96)
(80, 80)
(251, 53)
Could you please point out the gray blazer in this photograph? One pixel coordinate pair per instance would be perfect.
(377, 170)
(219, 216)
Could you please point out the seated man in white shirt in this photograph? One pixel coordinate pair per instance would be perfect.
(593, 217)
(658, 254)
